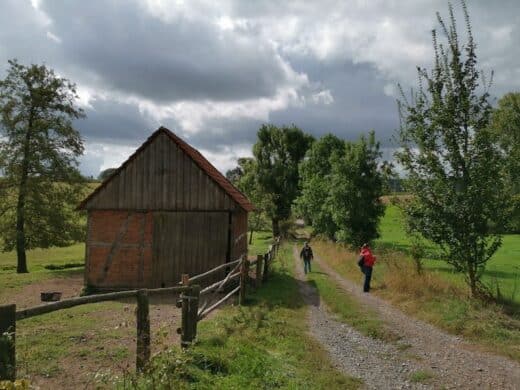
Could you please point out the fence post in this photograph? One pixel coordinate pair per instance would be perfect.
(7, 342)
(193, 308)
(258, 278)
(266, 267)
(243, 281)
(143, 330)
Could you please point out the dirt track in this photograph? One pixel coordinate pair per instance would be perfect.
(452, 362)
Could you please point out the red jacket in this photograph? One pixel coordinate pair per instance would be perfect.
(368, 257)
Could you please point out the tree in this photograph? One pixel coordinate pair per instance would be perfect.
(248, 183)
(106, 173)
(505, 125)
(315, 172)
(38, 156)
(355, 190)
(278, 152)
(454, 168)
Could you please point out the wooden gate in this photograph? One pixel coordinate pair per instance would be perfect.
(188, 242)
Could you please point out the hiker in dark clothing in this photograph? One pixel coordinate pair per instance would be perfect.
(307, 256)
(366, 263)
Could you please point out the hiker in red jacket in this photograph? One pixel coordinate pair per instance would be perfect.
(366, 262)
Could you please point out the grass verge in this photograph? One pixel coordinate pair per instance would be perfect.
(433, 298)
(263, 345)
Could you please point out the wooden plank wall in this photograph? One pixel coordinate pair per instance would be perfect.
(187, 242)
(162, 177)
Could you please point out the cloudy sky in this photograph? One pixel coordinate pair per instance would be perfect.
(214, 71)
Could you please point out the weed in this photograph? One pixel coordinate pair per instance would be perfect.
(421, 376)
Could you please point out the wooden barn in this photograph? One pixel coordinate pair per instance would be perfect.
(166, 211)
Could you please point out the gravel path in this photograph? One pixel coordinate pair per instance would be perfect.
(422, 348)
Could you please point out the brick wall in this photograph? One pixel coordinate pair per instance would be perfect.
(119, 249)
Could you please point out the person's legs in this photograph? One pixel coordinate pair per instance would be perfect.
(306, 265)
(368, 276)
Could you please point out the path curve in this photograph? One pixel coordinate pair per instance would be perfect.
(383, 365)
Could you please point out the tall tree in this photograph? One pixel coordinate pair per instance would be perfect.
(506, 126)
(38, 155)
(315, 172)
(455, 170)
(355, 190)
(278, 152)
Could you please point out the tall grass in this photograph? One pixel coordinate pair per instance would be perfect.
(432, 297)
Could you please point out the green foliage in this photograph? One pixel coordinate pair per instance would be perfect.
(38, 157)
(315, 183)
(106, 173)
(505, 125)
(355, 189)
(278, 152)
(455, 170)
(245, 177)
(263, 345)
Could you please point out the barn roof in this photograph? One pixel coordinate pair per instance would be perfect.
(195, 155)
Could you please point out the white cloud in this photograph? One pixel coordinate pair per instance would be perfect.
(53, 37)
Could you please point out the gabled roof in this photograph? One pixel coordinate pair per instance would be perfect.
(195, 155)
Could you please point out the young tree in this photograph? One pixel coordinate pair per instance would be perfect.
(455, 170)
(247, 181)
(355, 190)
(315, 172)
(278, 152)
(38, 156)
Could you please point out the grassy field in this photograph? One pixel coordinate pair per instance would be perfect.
(60, 263)
(264, 344)
(439, 296)
(261, 345)
(503, 269)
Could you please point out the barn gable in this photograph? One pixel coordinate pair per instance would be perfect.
(166, 173)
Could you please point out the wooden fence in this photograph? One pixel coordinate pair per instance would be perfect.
(191, 311)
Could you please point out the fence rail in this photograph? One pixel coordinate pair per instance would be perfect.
(190, 295)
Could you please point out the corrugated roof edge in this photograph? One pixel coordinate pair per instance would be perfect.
(195, 155)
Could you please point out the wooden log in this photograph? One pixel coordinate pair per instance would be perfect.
(143, 330)
(243, 282)
(7, 342)
(197, 278)
(217, 304)
(258, 274)
(219, 284)
(67, 303)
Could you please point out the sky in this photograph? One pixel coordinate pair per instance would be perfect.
(214, 71)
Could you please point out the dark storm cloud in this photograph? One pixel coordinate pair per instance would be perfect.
(129, 58)
(115, 122)
(359, 102)
(126, 48)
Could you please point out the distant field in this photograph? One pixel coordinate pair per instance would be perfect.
(64, 261)
(503, 268)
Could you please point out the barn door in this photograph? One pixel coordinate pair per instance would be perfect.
(187, 242)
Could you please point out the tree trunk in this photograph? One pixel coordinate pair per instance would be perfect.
(20, 207)
(251, 237)
(472, 281)
(276, 227)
